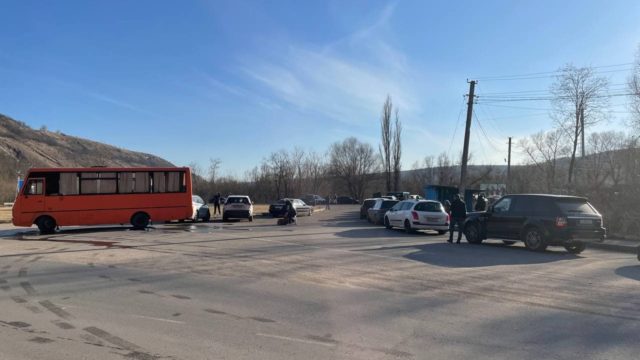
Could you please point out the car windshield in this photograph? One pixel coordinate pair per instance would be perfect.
(573, 207)
(237, 200)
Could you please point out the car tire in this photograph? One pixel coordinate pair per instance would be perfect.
(534, 239)
(387, 224)
(46, 225)
(250, 218)
(509, 242)
(472, 233)
(576, 247)
(207, 216)
(442, 232)
(140, 220)
(224, 218)
(407, 227)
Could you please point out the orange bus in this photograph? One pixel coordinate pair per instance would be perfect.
(52, 197)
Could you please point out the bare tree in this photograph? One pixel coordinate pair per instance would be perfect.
(397, 152)
(386, 141)
(353, 162)
(214, 166)
(422, 173)
(543, 150)
(445, 169)
(579, 102)
(315, 172)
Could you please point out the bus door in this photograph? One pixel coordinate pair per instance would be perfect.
(33, 196)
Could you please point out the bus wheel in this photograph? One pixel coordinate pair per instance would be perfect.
(140, 220)
(46, 224)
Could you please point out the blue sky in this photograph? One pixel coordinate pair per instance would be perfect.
(193, 80)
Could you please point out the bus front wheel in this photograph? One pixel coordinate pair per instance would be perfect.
(140, 220)
(46, 224)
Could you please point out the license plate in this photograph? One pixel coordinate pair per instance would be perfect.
(277, 207)
(433, 219)
(586, 222)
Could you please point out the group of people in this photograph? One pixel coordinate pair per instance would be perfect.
(457, 211)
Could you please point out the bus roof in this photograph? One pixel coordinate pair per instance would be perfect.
(107, 169)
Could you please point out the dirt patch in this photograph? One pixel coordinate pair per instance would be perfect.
(5, 215)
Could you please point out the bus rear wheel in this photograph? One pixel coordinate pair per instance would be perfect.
(140, 220)
(46, 224)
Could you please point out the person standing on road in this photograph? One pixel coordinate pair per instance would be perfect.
(481, 204)
(216, 204)
(327, 202)
(458, 214)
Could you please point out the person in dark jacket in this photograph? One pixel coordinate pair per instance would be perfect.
(290, 212)
(481, 204)
(216, 204)
(458, 214)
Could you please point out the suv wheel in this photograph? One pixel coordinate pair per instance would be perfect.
(472, 233)
(250, 218)
(387, 224)
(534, 239)
(575, 247)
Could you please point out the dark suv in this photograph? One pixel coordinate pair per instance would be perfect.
(538, 221)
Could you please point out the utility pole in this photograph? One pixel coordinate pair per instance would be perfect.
(509, 167)
(465, 149)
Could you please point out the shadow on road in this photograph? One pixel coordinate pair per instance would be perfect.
(631, 272)
(380, 231)
(467, 255)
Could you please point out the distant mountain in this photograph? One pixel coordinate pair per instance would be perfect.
(22, 147)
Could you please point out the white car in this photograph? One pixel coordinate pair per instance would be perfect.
(301, 207)
(237, 207)
(415, 215)
(200, 209)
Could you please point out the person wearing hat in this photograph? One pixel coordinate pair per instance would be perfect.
(458, 215)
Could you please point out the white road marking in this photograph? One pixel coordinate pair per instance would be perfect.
(158, 319)
(296, 339)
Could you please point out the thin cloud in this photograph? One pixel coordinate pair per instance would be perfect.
(116, 102)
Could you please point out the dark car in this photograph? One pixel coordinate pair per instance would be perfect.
(366, 205)
(313, 200)
(346, 200)
(277, 209)
(376, 213)
(538, 221)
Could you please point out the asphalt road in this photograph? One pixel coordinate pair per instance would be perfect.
(332, 287)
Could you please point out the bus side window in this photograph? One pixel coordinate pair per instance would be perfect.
(68, 183)
(34, 187)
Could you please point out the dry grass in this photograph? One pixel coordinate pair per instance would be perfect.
(5, 214)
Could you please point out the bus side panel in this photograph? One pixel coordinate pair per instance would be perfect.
(117, 209)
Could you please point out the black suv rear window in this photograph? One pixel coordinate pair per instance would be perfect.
(368, 203)
(575, 207)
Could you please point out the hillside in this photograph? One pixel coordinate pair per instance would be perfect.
(22, 147)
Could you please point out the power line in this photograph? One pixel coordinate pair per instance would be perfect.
(456, 128)
(489, 141)
(536, 75)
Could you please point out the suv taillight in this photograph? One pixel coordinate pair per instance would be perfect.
(561, 222)
(415, 215)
